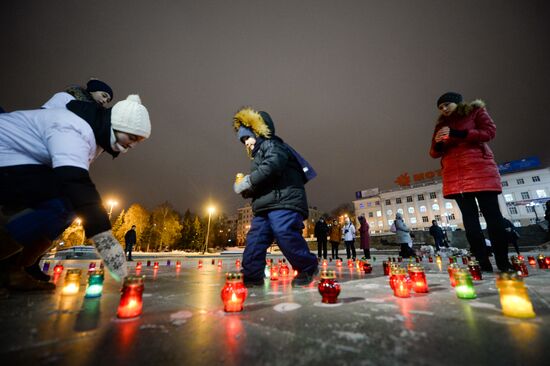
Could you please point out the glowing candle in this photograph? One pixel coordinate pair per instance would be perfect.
(430, 259)
(367, 268)
(541, 259)
(295, 273)
(418, 279)
(220, 263)
(138, 266)
(513, 296)
(438, 259)
(46, 267)
(520, 267)
(338, 263)
(451, 269)
(350, 263)
(178, 264)
(200, 263)
(72, 282)
(131, 297)
(95, 283)
(358, 264)
(274, 273)
(328, 287)
(475, 270)
(464, 260)
(156, 265)
(234, 293)
(532, 260)
(401, 283)
(464, 286)
(58, 269)
(237, 263)
(325, 263)
(521, 258)
(284, 271)
(91, 266)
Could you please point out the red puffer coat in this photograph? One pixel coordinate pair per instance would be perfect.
(467, 163)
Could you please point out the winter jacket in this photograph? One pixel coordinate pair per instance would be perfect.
(348, 232)
(437, 232)
(130, 238)
(402, 235)
(75, 92)
(47, 153)
(276, 175)
(321, 230)
(467, 162)
(364, 233)
(335, 233)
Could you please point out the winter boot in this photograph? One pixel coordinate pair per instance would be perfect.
(19, 280)
(35, 271)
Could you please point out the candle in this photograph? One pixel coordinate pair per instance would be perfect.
(46, 267)
(464, 260)
(430, 259)
(386, 267)
(338, 263)
(58, 268)
(418, 279)
(72, 282)
(95, 283)
(399, 259)
(350, 263)
(220, 263)
(401, 283)
(451, 260)
(520, 267)
(438, 259)
(156, 265)
(532, 260)
(138, 266)
(325, 263)
(451, 269)
(237, 263)
(521, 258)
(274, 273)
(513, 296)
(367, 268)
(200, 263)
(328, 287)
(284, 270)
(148, 263)
(464, 286)
(131, 297)
(91, 266)
(475, 270)
(234, 293)
(541, 259)
(178, 264)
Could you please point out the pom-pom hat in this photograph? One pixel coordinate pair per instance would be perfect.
(131, 116)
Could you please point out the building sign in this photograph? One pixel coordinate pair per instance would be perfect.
(405, 180)
(519, 165)
(367, 193)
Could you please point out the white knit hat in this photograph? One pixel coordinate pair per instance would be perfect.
(131, 116)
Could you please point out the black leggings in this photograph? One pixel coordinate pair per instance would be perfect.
(334, 246)
(488, 205)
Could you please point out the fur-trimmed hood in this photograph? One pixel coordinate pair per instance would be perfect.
(259, 122)
(464, 109)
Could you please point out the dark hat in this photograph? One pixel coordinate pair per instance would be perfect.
(450, 97)
(97, 85)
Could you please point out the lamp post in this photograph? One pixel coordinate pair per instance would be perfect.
(211, 210)
(111, 204)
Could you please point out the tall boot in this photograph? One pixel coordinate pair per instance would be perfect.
(16, 278)
(30, 258)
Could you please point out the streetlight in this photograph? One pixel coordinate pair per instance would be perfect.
(211, 210)
(111, 204)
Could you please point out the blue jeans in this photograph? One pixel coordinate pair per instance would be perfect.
(285, 226)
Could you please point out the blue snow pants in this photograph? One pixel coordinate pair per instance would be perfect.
(285, 226)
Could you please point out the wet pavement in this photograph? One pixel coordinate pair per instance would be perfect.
(183, 322)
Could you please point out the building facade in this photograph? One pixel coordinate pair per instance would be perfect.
(522, 201)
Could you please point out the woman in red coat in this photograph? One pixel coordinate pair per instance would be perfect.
(365, 238)
(470, 173)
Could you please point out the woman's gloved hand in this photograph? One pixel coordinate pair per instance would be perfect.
(243, 185)
(112, 254)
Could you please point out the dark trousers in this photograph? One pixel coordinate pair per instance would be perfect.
(488, 205)
(322, 247)
(406, 251)
(439, 242)
(334, 248)
(350, 249)
(285, 226)
(366, 252)
(129, 252)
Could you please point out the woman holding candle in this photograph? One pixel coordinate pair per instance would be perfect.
(470, 174)
(45, 155)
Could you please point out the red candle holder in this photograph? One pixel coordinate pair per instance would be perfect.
(328, 287)
(464, 260)
(131, 298)
(541, 259)
(367, 267)
(156, 265)
(475, 270)
(350, 263)
(91, 266)
(399, 259)
(418, 279)
(234, 293)
(58, 269)
(220, 263)
(451, 269)
(451, 260)
(547, 261)
(401, 283)
(274, 273)
(284, 270)
(138, 266)
(338, 263)
(200, 263)
(430, 259)
(325, 263)
(520, 268)
(237, 263)
(386, 267)
(521, 258)
(532, 261)
(178, 264)
(417, 259)
(148, 263)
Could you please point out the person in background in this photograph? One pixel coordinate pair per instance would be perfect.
(96, 91)
(348, 233)
(470, 174)
(437, 233)
(45, 155)
(276, 184)
(335, 237)
(365, 236)
(512, 234)
(321, 233)
(403, 236)
(547, 216)
(130, 241)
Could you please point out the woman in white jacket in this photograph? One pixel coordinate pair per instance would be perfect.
(45, 155)
(403, 236)
(348, 233)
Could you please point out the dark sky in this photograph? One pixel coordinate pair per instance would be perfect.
(350, 84)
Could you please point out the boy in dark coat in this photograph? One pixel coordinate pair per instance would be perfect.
(437, 233)
(321, 233)
(130, 240)
(279, 203)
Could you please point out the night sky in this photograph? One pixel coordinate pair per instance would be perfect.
(352, 85)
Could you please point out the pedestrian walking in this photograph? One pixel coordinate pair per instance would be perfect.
(348, 233)
(45, 156)
(130, 240)
(335, 237)
(470, 174)
(364, 236)
(279, 203)
(403, 236)
(96, 91)
(321, 233)
(438, 235)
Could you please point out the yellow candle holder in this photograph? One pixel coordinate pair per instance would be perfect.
(72, 282)
(513, 296)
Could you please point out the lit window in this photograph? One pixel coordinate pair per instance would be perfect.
(411, 210)
(541, 193)
(435, 207)
(448, 205)
(380, 223)
(400, 210)
(390, 222)
(513, 210)
(508, 197)
(536, 178)
(389, 212)
(517, 223)
(525, 195)
(413, 220)
(422, 208)
(378, 213)
(520, 181)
